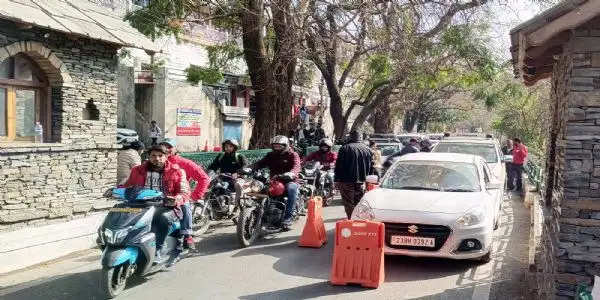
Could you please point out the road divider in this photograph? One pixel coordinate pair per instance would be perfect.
(358, 255)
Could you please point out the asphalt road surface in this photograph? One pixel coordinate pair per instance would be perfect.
(276, 268)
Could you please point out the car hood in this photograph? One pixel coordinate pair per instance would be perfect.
(425, 201)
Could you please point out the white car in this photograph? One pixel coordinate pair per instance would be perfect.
(487, 148)
(436, 205)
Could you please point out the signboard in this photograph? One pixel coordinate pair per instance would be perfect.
(188, 121)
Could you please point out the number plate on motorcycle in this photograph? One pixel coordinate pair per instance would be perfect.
(401, 240)
(131, 210)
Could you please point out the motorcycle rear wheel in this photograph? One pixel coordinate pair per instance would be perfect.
(114, 280)
(248, 227)
(200, 221)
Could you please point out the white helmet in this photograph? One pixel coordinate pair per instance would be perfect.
(280, 140)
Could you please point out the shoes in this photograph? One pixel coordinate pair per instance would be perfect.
(158, 259)
(189, 243)
(173, 258)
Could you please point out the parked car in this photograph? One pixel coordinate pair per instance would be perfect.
(488, 148)
(388, 149)
(436, 205)
(125, 136)
(405, 138)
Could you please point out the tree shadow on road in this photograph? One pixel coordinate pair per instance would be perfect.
(84, 285)
(309, 291)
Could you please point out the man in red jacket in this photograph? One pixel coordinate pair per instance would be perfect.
(519, 153)
(324, 155)
(279, 161)
(193, 172)
(161, 175)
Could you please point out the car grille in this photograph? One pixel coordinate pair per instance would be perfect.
(439, 232)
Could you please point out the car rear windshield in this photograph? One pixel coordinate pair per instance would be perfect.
(387, 150)
(433, 176)
(487, 151)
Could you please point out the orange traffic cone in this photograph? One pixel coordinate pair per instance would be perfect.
(313, 234)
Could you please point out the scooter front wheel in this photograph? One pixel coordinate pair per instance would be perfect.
(114, 280)
(248, 226)
(200, 219)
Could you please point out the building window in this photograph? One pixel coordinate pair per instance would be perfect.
(24, 99)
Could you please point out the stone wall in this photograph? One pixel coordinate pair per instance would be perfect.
(42, 183)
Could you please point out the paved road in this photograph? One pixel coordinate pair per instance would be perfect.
(276, 268)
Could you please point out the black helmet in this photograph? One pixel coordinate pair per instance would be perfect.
(325, 142)
(232, 142)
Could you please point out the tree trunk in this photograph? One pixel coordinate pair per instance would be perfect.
(271, 80)
(382, 120)
(382, 96)
(410, 119)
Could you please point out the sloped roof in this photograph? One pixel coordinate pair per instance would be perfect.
(76, 17)
(536, 41)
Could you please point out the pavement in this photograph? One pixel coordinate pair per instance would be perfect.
(276, 268)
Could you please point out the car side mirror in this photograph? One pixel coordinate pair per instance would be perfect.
(493, 186)
(507, 158)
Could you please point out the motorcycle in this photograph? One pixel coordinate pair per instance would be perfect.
(263, 206)
(322, 180)
(220, 203)
(127, 242)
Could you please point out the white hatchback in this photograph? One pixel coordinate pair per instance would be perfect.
(436, 205)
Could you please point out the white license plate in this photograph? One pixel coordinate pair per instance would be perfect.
(401, 240)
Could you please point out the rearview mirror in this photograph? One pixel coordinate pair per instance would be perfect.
(493, 186)
(507, 158)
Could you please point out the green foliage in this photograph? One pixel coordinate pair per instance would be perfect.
(155, 66)
(195, 74)
(218, 56)
(161, 17)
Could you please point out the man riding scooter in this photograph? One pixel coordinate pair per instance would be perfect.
(161, 175)
(280, 161)
(193, 172)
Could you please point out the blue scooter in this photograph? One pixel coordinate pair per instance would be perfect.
(127, 240)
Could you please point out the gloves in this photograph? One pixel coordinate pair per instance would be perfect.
(108, 193)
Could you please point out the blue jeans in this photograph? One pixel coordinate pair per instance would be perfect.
(186, 221)
(292, 194)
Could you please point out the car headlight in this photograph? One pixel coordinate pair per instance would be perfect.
(473, 217)
(115, 236)
(363, 212)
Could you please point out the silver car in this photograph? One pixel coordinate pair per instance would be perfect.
(436, 205)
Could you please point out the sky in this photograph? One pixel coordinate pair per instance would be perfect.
(506, 16)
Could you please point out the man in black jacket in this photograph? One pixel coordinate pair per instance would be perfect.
(230, 161)
(353, 164)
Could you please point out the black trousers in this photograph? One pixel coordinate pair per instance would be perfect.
(164, 217)
(518, 174)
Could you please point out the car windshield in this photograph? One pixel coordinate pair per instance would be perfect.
(433, 176)
(487, 151)
(387, 150)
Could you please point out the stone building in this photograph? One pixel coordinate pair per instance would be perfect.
(563, 44)
(58, 67)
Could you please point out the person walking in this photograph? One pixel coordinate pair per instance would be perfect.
(507, 149)
(127, 158)
(155, 132)
(520, 154)
(353, 165)
(376, 166)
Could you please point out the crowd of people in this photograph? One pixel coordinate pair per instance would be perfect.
(166, 171)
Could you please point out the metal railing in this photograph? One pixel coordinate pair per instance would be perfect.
(205, 158)
(534, 172)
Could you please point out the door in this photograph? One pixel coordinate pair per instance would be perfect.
(232, 130)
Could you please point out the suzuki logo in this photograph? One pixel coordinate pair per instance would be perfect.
(413, 229)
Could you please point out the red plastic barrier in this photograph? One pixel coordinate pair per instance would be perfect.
(358, 253)
(313, 234)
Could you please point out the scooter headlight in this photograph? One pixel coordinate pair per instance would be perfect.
(115, 236)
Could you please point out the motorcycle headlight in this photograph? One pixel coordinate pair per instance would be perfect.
(471, 218)
(256, 187)
(363, 212)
